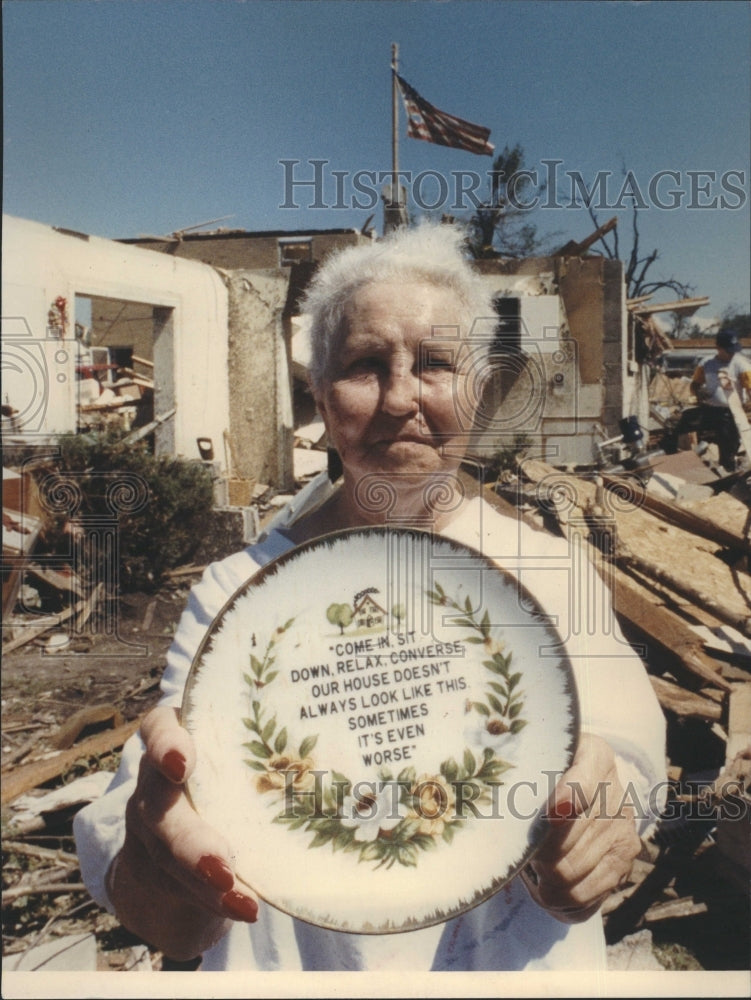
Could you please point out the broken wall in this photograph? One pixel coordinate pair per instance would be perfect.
(189, 302)
(260, 383)
(241, 250)
(568, 380)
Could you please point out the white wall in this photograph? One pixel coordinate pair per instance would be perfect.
(39, 264)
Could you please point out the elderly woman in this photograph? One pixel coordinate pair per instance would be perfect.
(387, 392)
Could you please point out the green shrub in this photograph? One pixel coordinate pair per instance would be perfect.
(161, 503)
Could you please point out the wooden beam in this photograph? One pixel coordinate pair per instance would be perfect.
(42, 626)
(632, 303)
(627, 557)
(674, 698)
(573, 248)
(55, 888)
(686, 306)
(669, 636)
(91, 715)
(36, 773)
(687, 519)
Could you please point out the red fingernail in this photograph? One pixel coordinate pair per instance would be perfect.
(561, 811)
(240, 907)
(173, 765)
(214, 871)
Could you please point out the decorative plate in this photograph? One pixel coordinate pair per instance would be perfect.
(380, 717)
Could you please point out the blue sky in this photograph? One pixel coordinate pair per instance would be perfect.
(125, 117)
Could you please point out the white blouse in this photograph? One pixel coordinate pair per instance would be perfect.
(509, 931)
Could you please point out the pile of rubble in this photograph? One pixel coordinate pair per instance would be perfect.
(673, 542)
(674, 545)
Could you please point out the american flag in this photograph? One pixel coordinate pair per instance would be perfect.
(429, 123)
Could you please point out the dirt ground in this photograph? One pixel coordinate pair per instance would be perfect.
(118, 661)
(107, 664)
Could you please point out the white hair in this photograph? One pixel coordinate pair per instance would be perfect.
(427, 253)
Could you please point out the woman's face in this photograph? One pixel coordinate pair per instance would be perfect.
(389, 403)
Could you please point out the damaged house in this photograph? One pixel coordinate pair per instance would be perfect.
(209, 344)
(564, 369)
(197, 338)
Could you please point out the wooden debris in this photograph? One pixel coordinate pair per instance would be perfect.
(679, 576)
(110, 404)
(70, 954)
(574, 248)
(44, 625)
(189, 570)
(144, 685)
(740, 621)
(35, 851)
(141, 432)
(148, 617)
(666, 632)
(643, 541)
(36, 773)
(63, 582)
(672, 908)
(31, 890)
(739, 414)
(82, 611)
(739, 722)
(677, 699)
(688, 520)
(685, 307)
(20, 752)
(92, 715)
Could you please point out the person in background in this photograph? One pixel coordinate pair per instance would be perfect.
(728, 371)
(169, 876)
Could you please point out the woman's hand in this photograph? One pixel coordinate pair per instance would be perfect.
(172, 883)
(592, 841)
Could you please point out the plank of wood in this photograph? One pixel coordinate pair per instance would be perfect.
(35, 851)
(674, 698)
(148, 617)
(702, 597)
(687, 306)
(669, 636)
(89, 604)
(91, 715)
(662, 596)
(672, 908)
(739, 721)
(665, 552)
(190, 570)
(20, 752)
(687, 519)
(44, 625)
(82, 610)
(56, 888)
(36, 773)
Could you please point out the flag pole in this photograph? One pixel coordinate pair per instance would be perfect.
(394, 121)
(392, 210)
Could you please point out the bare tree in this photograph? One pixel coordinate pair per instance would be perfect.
(638, 264)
